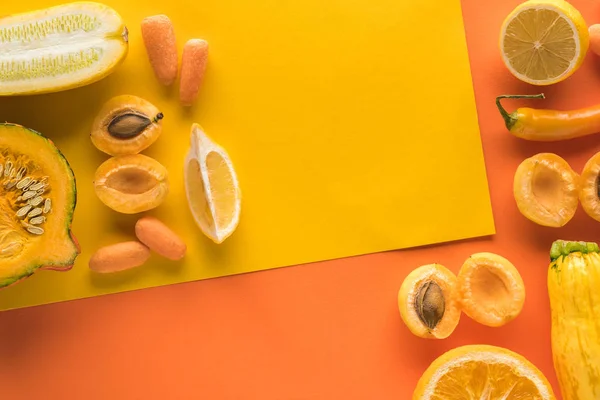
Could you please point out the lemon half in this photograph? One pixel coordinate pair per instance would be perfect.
(544, 41)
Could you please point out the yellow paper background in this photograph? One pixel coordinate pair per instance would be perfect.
(352, 126)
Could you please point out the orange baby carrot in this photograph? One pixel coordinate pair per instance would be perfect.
(159, 238)
(119, 257)
(159, 38)
(193, 65)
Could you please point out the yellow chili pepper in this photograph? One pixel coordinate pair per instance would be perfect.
(549, 125)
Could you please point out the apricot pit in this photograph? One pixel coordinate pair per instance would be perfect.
(126, 125)
(427, 302)
(131, 184)
(546, 190)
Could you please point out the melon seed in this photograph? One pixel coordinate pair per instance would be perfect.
(430, 304)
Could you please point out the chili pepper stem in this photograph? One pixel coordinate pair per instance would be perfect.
(509, 119)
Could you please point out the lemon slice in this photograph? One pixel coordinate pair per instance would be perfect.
(482, 372)
(211, 187)
(544, 41)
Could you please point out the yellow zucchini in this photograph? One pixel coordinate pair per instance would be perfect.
(574, 291)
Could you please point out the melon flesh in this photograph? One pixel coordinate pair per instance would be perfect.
(60, 48)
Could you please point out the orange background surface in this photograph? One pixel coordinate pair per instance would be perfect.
(323, 331)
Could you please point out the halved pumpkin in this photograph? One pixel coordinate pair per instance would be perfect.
(37, 202)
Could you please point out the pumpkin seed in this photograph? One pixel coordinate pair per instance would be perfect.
(23, 182)
(47, 206)
(24, 210)
(21, 173)
(36, 201)
(31, 182)
(10, 184)
(37, 186)
(128, 125)
(7, 168)
(430, 304)
(28, 195)
(36, 230)
(35, 212)
(37, 220)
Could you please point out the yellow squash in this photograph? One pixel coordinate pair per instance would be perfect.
(574, 290)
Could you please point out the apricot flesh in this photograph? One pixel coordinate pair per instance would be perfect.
(428, 303)
(491, 290)
(546, 190)
(589, 194)
(131, 184)
(126, 125)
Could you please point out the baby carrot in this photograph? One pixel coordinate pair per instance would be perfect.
(159, 238)
(119, 257)
(159, 38)
(193, 65)
(549, 125)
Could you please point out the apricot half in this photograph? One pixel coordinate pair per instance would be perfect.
(490, 289)
(589, 194)
(131, 184)
(126, 125)
(546, 190)
(427, 302)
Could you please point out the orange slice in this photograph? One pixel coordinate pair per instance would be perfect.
(491, 289)
(211, 187)
(482, 372)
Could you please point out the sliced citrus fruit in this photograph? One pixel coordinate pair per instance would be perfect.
(211, 186)
(491, 289)
(427, 302)
(546, 190)
(482, 372)
(60, 47)
(544, 41)
(589, 195)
